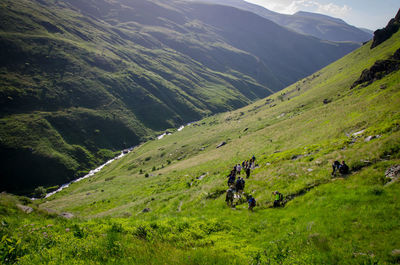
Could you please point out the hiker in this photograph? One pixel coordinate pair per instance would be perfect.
(231, 180)
(335, 167)
(239, 186)
(253, 165)
(252, 202)
(243, 183)
(229, 197)
(238, 169)
(278, 198)
(247, 172)
(253, 158)
(234, 171)
(344, 169)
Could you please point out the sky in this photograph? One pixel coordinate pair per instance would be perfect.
(370, 14)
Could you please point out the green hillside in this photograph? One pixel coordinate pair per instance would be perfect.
(82, 79)
(164, 203)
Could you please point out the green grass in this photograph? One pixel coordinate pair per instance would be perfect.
(118, 76)
(349, 220)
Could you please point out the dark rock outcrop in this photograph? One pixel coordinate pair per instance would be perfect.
(380, 69)
(221, 144)
(146, 210)
(327, 101)
(382, 35)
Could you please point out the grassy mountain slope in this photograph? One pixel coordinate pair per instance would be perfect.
(94, 77)
(295, 137)
(317, 25)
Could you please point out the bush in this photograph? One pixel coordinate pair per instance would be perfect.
(142, 232)
(116, 228)
(113, 246)
(39, 192)
(78, 232)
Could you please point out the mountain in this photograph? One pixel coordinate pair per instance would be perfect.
(164, 202)
(371, 32)
(83, 79)
(381, 35)
(325, 27)
(317, 25)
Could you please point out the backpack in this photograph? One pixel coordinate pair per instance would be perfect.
(343, 169)
(280, 197)
(252, 202)
(243, 183)
(238, 184)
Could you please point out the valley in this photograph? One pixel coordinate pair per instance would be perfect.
(165, 201)
(81, 81)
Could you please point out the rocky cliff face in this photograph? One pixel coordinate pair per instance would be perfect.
(383, 34)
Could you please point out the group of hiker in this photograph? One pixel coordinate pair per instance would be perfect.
(342, 168)
(236, 186)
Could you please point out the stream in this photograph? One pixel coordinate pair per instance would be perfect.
(96, 170)
(91, 172)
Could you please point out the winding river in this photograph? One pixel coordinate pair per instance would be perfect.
(96, 170)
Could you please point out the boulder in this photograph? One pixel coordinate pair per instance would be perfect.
(221, 144)
(327, 101)
(396, 253)
(202, 176)
(369, 138)
(48, 210)
(25, 209)
(146, 210)
(67, 215)
(393, 172)
(380, 69)
(358, 133)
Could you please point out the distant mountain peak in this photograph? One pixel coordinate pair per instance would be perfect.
(317, 25)
(318, 15)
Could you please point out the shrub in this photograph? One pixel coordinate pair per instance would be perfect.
(377, 191)
(10, 250)
(113, 246)
(78, 232)
(115, 227)
(142, 232)
(39, 192)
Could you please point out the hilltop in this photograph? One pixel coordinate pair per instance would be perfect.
(164, 201)
(320, 26)
(83, 79)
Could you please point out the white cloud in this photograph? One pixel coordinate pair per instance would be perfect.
(338, 11)
(290, 7)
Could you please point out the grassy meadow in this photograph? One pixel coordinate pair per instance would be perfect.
(181, 181)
